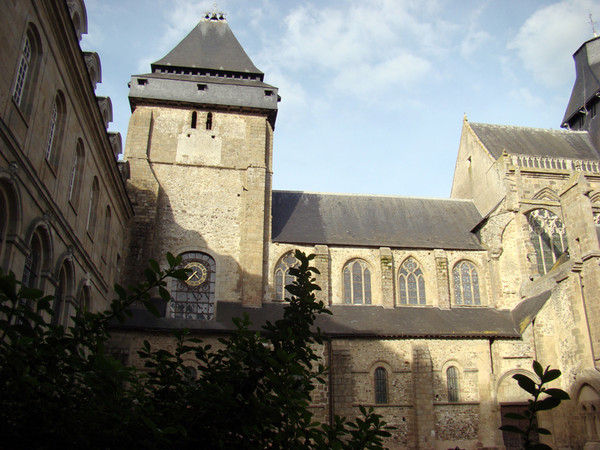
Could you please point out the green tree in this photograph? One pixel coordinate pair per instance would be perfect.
(543, 399)
(60, 388)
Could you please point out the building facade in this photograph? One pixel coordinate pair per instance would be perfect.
(63, 206)
(436, 303)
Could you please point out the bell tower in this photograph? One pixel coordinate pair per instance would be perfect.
(199, 147)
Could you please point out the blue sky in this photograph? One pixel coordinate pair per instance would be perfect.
(373, 92)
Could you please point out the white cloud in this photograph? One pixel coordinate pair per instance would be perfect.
(525, 97)
(368, 79)
(359, 49)
(554, 30)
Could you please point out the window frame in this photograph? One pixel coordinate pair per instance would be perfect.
(282, 276)
(355, 282)
(380, 386)
(543, 242)
(403, 283)
(453, 384)
(474, 284)
(56, 127)
(191, 301)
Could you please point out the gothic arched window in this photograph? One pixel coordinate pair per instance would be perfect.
(466, 284)
(411, 283)
(282, 274)
(194, 297)
(452, 383)
(381, 390)
(357, 283)
(548, 236)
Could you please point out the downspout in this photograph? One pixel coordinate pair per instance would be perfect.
(330, 375)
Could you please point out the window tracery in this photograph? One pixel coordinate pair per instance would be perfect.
(194, 297)
(282, 274)
(548, 236)
(411, 283)
(466, 284)
(357, 283)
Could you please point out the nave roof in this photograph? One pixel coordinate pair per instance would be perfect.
(374, 221)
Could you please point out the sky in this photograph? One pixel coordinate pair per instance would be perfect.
(373, 92)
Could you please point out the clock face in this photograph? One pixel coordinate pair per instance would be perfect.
(198, 275)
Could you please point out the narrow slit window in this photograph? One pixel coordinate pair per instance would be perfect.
(209, 121)
(452, 381)
(194, 119)
(381, 390)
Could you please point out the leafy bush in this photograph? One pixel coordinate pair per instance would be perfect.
(551, 399)
(60, 389)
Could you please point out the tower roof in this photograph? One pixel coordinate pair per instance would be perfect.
(587, 81)
(211, 45)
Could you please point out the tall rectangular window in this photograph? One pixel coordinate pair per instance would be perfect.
(381, 394)
(23, 70)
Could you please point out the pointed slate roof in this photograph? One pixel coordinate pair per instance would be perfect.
(210, 45)
(587, 81)
(535, 141)
(373, 221)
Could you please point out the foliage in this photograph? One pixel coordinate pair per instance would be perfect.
(551, 400)
(59, 388)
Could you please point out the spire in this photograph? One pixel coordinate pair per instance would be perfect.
(587, 80)
(209, 49)
(207, 69)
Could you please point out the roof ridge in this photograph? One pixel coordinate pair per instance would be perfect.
(553, 130)
(348, 194)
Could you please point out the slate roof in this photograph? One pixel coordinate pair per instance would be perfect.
(210, 45)
(354, 321)
(369, 220)
(535, 141)
(587, 81)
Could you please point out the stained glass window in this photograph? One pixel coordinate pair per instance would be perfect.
(194, 297)
(466, 284)
(357, 283)
(411, 283)
(548, 236)
(381, 394)
(282, 274)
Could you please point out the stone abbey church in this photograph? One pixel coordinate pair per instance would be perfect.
(436, 303)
